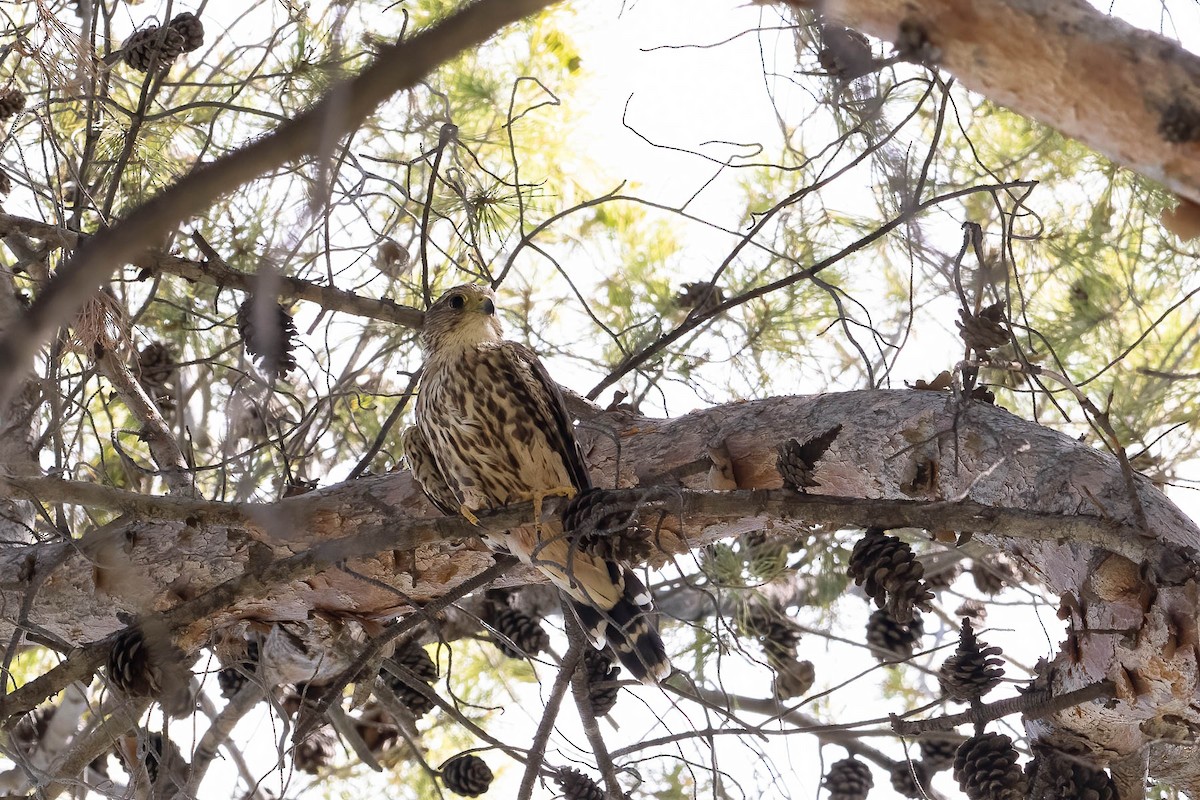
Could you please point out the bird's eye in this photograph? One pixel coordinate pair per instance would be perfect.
(456, 301)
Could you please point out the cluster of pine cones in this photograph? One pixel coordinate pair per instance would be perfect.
(157, 47)
(985, 767)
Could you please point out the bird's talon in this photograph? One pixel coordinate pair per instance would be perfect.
(466, 512)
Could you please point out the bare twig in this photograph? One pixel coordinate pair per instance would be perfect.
(1034, 705)
(587, 715)
(343, 109)
(537, 750)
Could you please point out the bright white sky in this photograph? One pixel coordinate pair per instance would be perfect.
(704, 99)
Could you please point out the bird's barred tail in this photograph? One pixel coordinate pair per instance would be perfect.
(628, 627)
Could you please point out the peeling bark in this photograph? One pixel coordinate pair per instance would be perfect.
(1128, 93)
(1056, 503)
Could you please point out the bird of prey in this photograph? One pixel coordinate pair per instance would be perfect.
(492, 429)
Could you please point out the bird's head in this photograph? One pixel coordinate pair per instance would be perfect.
(463, 317)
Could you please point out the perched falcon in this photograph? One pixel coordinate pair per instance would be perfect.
(492, 429)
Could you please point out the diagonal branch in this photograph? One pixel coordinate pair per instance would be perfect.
(1052, 54)
(541, 737)
(581, 691)
(342, 109)
(215, 271)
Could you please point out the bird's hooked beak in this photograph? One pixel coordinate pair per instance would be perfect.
(488, 307)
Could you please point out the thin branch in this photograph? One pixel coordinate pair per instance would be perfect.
(333, 692)
(92, 743)
(342, 109)
(635, 360)
(219, 731)
(537, 750)
(581, 690)
(1034, 706)
(447, 134)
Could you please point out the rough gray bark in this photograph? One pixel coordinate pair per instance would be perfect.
(1057, 503)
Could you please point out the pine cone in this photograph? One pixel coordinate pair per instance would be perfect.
(157, 365)
(275, 350)
(798, 461)
(466, 775)
(416, 658)
(231, 679)
(993, 571)
(12, 101)
(410, 698)
(153, 47)
(600, 525)
(910, 778)
(1052, 775)
(973, 670)
(303, 698)
(778, 635)
(600, 668)
(30, 729)
(161, 757)
(793, 678)
(577, 786)
(377, 728)
(848, 779)
(890, 575)
(897, 638)
(846, 54)
(412, 656)
(699, 298)
(189, 26)
(155, 668)
(985, 766)
(153, 756)
(1092, 783)
(938, 754)
(517, 634)
(985, 331)
(316, 752)
(156, 368)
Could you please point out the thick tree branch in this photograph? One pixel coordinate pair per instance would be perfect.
(1130, 94)
(992, 465)
(1058, 504)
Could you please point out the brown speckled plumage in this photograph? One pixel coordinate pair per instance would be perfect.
(491, 429)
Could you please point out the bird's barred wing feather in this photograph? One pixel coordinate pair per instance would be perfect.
(610, 601)
(541, 398)
(425, 469)
(627, 626)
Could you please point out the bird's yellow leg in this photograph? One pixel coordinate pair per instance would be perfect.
(466, 512)
(538, 496)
